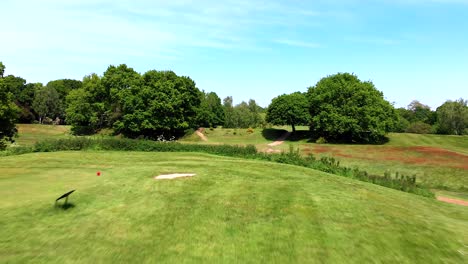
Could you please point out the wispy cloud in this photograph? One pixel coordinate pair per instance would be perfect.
(374, 40)
(297, 43)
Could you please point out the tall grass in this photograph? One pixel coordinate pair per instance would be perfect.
(293, 157)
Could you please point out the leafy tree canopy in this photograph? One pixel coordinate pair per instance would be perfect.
(47, 103)
(86, 110)
(8, 112)
(243, 115)
(418, 112)
(210, 112)
(164, 104)
(343, 108)
(2, 69)
(289, 109)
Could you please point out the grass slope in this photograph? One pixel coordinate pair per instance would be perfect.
(233, 211)
(28, 134)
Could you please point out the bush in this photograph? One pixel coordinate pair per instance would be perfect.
(419, 128)
(250, 130)
(321, 140)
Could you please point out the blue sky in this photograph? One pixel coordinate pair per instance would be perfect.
(410, 49)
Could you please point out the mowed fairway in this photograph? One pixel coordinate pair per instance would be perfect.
(233, 210)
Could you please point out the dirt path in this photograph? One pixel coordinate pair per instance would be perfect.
(199, 133)
(452, 201)
(280, 140)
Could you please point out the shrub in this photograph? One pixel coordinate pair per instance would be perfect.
(321, 140)
(250, 130)
(419, 128)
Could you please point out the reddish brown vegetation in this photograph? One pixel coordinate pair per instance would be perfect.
(452, 201)
(410, 155)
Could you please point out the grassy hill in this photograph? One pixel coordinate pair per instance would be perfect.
(233, 211)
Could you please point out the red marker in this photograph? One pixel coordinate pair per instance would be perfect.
(98, 173)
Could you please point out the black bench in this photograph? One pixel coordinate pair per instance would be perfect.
(64, 196)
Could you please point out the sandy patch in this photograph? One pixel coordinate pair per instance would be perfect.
(200, 134)
(173, 176)
(280, 140)
(452, 201)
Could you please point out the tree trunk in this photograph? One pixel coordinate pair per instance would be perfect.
(293, 128)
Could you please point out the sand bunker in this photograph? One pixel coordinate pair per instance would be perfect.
(173, 176)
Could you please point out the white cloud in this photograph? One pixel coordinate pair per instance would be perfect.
(298, 43)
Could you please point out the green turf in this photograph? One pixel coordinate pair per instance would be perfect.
(400, 154)
(453, 143)
(28, 134)
(233, 211)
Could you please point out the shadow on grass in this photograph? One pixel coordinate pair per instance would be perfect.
(273, 134)
(65, 206)
(300, 135)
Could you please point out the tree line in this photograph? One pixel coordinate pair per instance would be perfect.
(132, 104)
(342, 108)
(339, 107)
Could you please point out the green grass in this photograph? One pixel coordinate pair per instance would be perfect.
(434, 167)
(29, 134)
(234, 211)
(453, 143)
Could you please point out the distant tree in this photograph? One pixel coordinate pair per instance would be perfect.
(210, 112)
(418, 112)
(229, 117)
(452, 117)
(8, 113)
(2, 69)
(343, 108)
(47, 103)
(242, 116)
(63, 88)
(402, 123)
(289, 109)
(256, 119)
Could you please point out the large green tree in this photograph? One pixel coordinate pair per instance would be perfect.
(289, 109)
(452, 117)
(165, 104)
(86, 111)
(118, 81)
(8, 113)
(344, 108)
